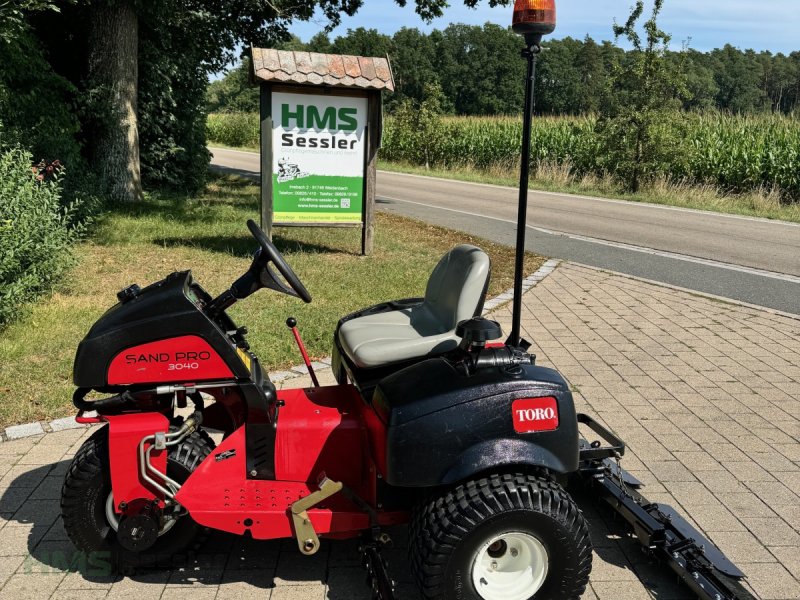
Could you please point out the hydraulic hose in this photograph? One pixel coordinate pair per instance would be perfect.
(106, 406)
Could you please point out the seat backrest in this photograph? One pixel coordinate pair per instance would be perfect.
(457, 287)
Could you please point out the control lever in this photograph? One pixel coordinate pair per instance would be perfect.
(291, 323)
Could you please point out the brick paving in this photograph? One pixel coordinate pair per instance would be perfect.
(707, 395)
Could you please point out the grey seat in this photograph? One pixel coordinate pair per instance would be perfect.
(455, 291)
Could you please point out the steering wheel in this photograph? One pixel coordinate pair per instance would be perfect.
(271, 254)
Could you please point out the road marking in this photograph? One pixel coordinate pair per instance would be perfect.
(620, 245)
(631, 203)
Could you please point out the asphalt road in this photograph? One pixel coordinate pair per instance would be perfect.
(747, 259)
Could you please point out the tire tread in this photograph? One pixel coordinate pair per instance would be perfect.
(439, 524)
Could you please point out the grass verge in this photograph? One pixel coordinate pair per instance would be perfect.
(558, 178)
(207, 233)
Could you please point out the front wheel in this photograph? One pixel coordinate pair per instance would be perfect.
(503, 537)
(87, 506)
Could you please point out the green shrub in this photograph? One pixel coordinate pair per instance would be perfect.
(233, 129)
(36, 231)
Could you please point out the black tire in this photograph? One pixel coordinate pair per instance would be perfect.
(449, 531)
(87, 486)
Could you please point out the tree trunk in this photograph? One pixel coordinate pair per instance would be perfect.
(114, 75)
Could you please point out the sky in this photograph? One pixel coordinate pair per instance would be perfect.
(759, 24)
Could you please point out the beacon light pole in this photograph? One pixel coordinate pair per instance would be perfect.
(532, 19)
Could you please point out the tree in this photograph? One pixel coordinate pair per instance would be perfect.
(638, 126)
(421, 123)
(362, 42)
(13, 15)
(480, 70)
(234, 92)
(320, 42)
(113, 73)
(738, 76)
(592, 76)
(702, 89)
(559, 86)
(413, 63)
(213, 31)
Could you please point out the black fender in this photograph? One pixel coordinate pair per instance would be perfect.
(506, 454)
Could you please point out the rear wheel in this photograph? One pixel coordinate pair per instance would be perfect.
(504, 537)
(88, 514)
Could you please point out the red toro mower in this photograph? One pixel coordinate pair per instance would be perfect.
(432, 425)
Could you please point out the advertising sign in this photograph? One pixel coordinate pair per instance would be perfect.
(318, 145)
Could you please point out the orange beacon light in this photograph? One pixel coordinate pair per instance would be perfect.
(534, 17)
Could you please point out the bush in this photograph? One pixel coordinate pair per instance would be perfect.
(36, 231)
(37, 105)
(233, 129)
(172, 116)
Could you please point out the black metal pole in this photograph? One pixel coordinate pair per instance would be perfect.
(530, 53)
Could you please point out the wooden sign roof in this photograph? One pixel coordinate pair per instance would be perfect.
(312, 68)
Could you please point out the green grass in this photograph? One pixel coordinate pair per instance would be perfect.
(145, 242)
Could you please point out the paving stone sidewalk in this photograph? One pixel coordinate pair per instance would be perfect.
(707, 394)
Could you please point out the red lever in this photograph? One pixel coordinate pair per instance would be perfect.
(291, 323)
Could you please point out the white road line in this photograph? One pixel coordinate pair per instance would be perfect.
(643, 250)
(630, 203)
(643, 205)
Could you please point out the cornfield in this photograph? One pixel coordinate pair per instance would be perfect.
(734, 153)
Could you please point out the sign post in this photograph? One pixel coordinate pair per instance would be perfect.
(320, 132)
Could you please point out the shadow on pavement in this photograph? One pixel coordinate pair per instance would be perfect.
(623, 558)
(224, 559)
(33, 500)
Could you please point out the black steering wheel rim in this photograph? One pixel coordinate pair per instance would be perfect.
(276, 258)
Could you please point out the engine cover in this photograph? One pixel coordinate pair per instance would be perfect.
(444, 426)
(159, 334)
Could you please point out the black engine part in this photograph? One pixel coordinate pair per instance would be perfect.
(138, 532)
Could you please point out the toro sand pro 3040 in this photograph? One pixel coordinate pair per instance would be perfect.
(432, 424)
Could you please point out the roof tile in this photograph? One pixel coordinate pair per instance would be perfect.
(367, 67)
(287, 62)
(382, 70)
(258, 62)
(351, 66)
(315, 68)
(336, 65)
(319, 62)
(303, 62)
(269, 58)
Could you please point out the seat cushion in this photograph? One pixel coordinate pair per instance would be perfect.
(455, 292)
(394, 336)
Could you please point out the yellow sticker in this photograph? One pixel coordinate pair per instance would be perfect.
(245, 358)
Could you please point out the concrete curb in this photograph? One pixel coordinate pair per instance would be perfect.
(17, 432)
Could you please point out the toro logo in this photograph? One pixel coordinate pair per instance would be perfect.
(535, 414)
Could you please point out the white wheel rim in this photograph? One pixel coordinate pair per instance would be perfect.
(511, 566)
(113, 519)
